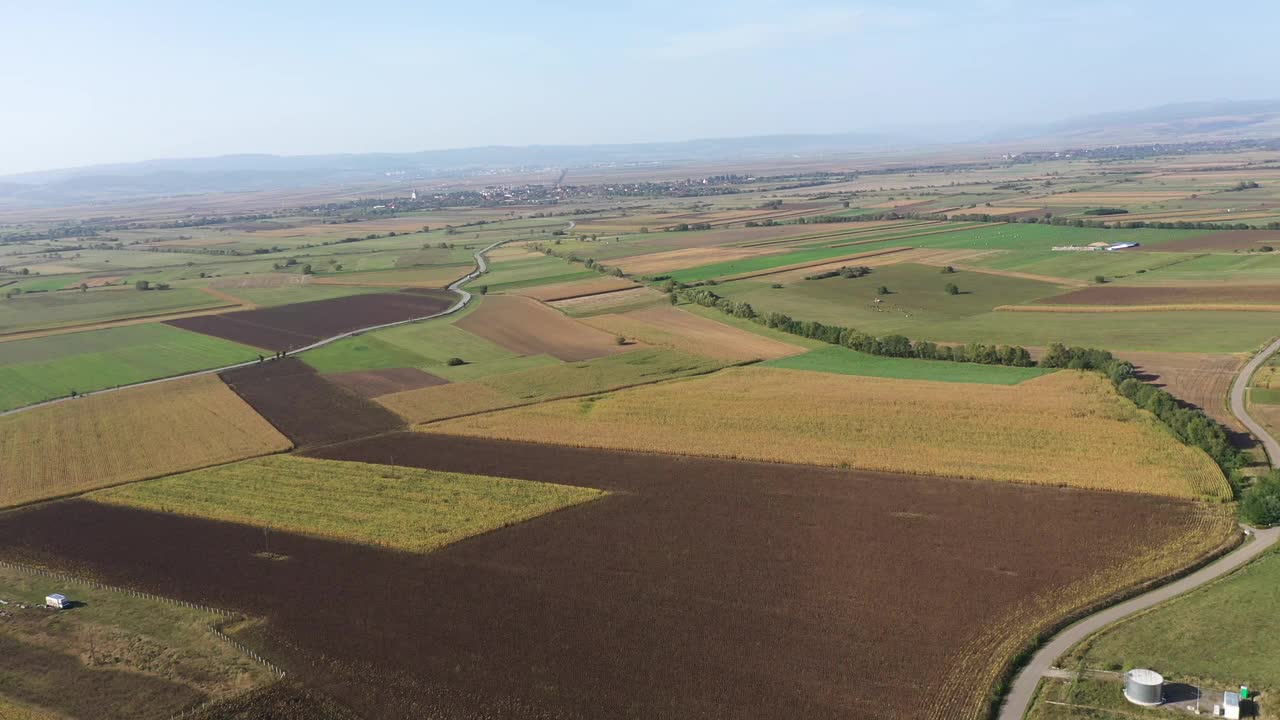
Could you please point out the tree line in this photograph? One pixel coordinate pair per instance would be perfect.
(1038, 220)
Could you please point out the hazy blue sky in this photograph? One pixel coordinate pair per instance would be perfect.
(90, 82)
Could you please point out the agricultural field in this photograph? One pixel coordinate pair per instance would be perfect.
(527, 327)
(605, 284)
(304, 406)
(289, 294)
(436, 276)
(530, 271)
(674, 328)
(142, 432)
(843, 361)
(33, 311)
(690, 570)
(1188, 295)
(50, 367)
(287, 327)
(113, 656)
(381, 505)
(539, 384)
(1067, 428)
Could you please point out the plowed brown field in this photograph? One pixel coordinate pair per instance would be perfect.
(286, 327)
(1202, 380)
(702, 589)
(373, 383)
(305, 407)
(528, 327)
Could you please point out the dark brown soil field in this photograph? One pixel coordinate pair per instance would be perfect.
(699, 589)
(1225, 240)
(304, 406)
(284, 700)
(1158, 295)
(373, 383)
(287, 327)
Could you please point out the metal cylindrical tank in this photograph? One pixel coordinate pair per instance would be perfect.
(1144, 687)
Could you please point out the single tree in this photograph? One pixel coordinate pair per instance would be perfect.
(952, 289)
(1260, 504)
(882, 290)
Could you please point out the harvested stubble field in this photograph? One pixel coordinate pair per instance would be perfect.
(1198, 379)
(539, 384)
(384, 505)
(679, 330)
(528, 327)
(142, 432)
(304, 406)
(709, 588)
(373, 383)
(296, 325)
(579, 289)
(1232, 295)
(49, 310)
(656, 263)
(438, 276)
(1067, 428)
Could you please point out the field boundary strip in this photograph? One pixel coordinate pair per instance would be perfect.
(1191, 307)
(482, 266)
(215, 627)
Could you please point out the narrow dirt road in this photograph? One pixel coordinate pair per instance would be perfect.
(1240, 388)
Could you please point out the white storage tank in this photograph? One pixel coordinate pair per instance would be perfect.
(1144, 687)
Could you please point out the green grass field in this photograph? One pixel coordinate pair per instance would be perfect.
(389, 506)
(834, 359)
(1220, 634)
(1264, 396)
(1088, 265)
(528, 272)
(427, 346)
(762, 262)
(55, 309)
(919, 309)
(49, 367)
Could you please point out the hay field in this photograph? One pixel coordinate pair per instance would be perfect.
(528, 327)
(133, 434)
(1067, 428)
(679, 330)
(384, 505)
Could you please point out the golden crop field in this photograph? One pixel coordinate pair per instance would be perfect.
(1067, 428)
(389, 506)
(143, 432)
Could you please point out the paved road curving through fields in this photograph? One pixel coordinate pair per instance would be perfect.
(1239, 390)
(482, 265)
(1023, 690)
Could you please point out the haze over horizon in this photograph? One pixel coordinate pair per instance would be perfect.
(94, 82)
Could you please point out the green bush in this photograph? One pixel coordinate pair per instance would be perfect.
(1261, 503)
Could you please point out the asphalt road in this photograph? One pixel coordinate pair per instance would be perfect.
(482, 265)
(1240, 388)
(1018, 701)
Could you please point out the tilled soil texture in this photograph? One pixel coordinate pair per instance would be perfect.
(1225, 240)
(304, 406)
(287, 327)
(528, 327)
(698, 589)
(375, 383)
(1199, 380)
(1169, 295)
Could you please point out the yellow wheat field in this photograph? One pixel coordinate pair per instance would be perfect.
(133, 434)
(1067, 428)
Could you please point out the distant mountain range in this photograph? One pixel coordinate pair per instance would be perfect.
(1187, 122)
